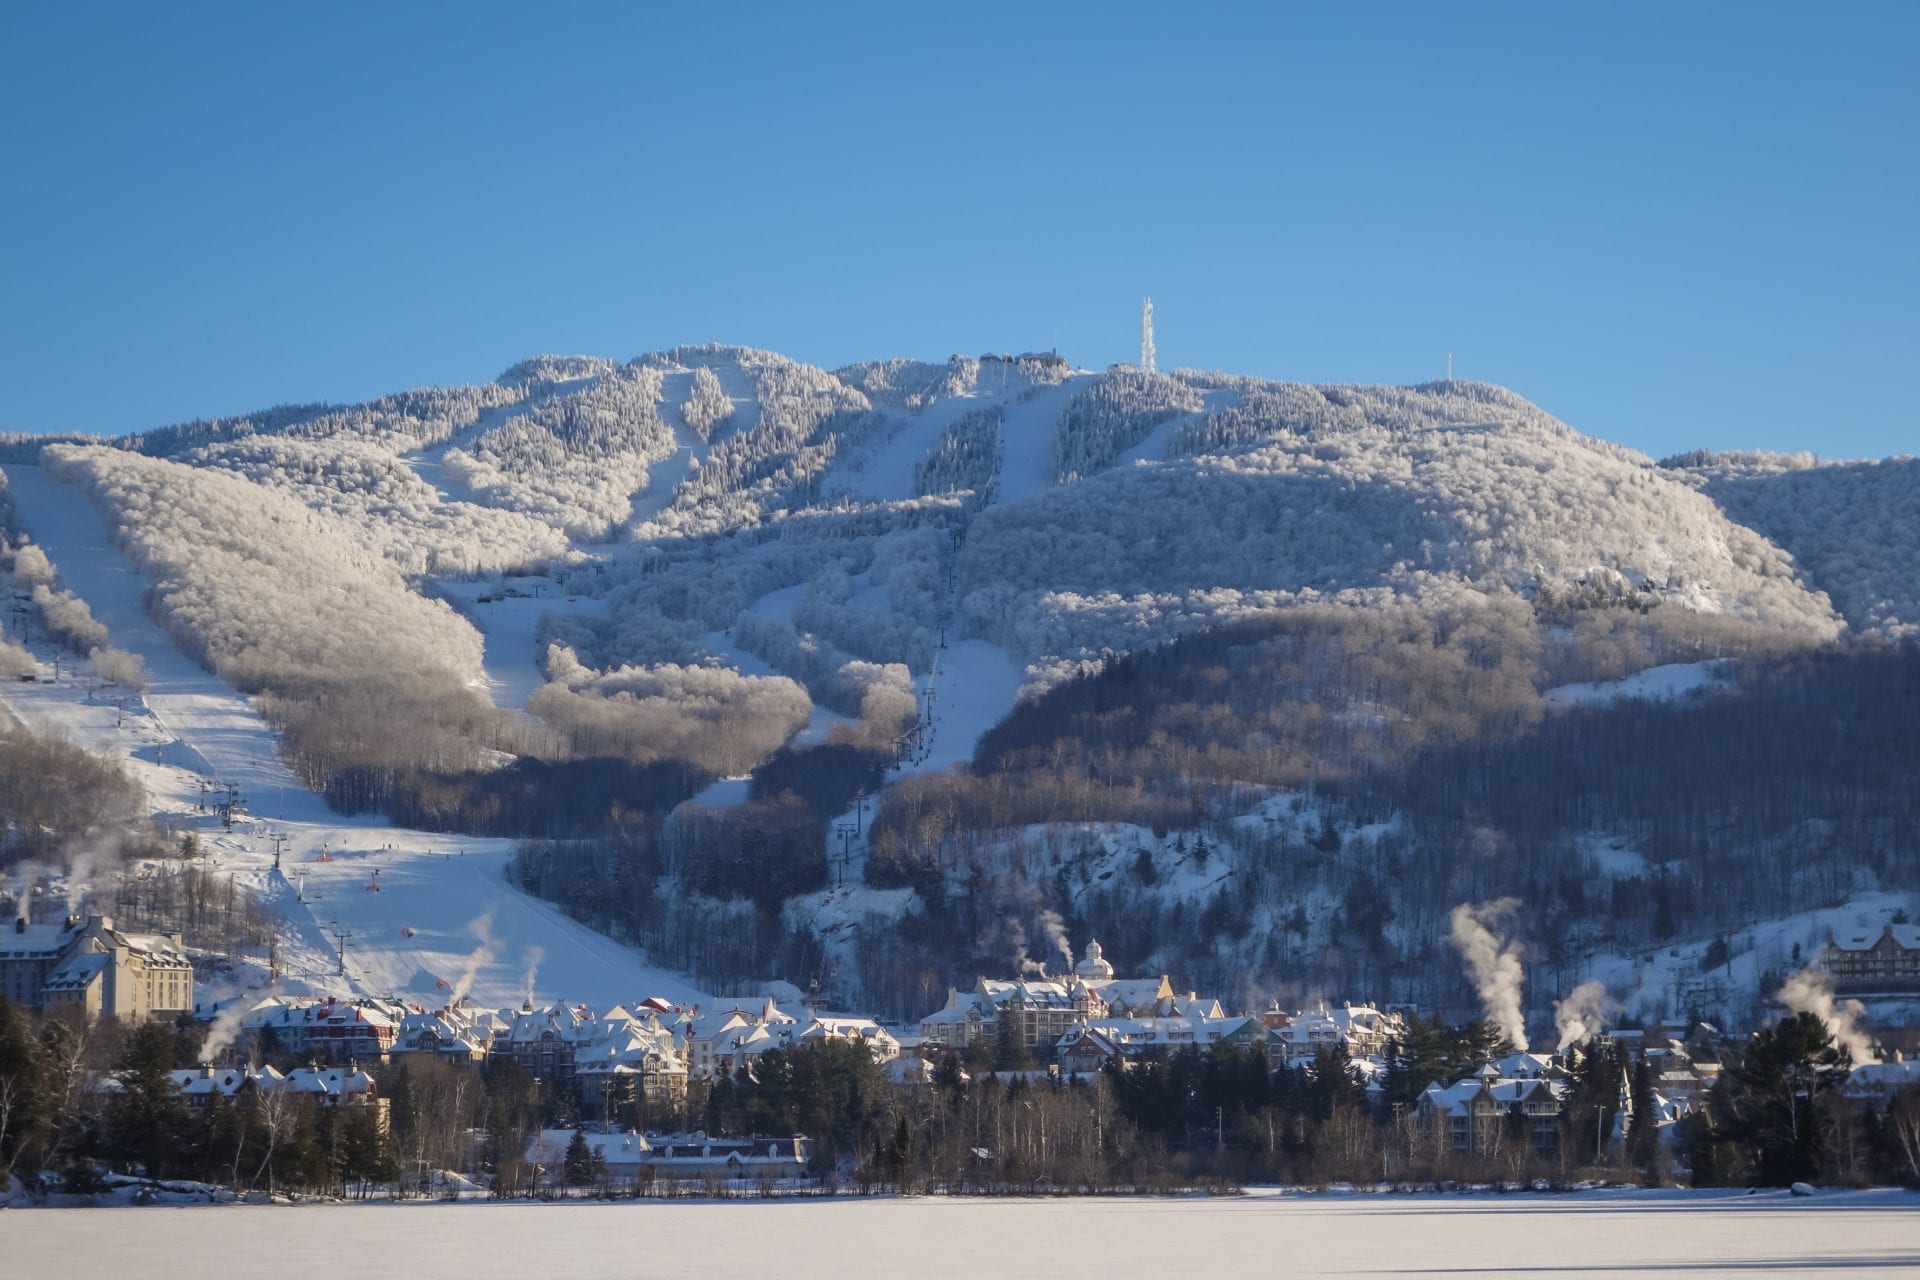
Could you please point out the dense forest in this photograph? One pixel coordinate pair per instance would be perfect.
(1415, 766)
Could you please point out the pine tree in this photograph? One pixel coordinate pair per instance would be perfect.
(147, 1118)
(578, 1165)
(1775, 1095)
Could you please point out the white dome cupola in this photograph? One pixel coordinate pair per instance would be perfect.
(1094, 966)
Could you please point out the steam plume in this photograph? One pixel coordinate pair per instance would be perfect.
(1583, 1013)
(82, 866)
(1494, 964)
(534, 956)
(480, 928)
(1056, 931)
(226, 1025)
(1811, 991)
(27, 874)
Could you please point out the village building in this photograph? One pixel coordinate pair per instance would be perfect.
(723, 1041)
(347, 1086)
(1363, 1030)
(96, 968)
(1878, 1082)
(102, 971)
(625, 1158)
(1479, 1113)
(630, 1053)
(1038, 1012)
(443, 1035)
(1865, 963)
(543, 1042)
(1092, 1045)
(878, 1040)
(327, 1028)
(28, 954)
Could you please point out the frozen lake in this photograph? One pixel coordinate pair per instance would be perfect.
(1695, 1234)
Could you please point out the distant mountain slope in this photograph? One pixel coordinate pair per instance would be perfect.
(1852, 527)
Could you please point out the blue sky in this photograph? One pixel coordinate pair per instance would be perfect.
(1671, 225)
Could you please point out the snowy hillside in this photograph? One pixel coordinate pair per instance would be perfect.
(1852, 527)
(563, 604)
(415, 909)
(725, 506)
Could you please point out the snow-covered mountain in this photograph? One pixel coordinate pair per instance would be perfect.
(1004, 518)
(689, 560)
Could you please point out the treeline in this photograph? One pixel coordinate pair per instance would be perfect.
(55, 1120)
(55, 797)
(1195, 1118)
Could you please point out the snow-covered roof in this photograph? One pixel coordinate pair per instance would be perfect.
(292, 1011)
(961, 1007)
(1455, 1099)
(1045, 993)
(910, 1071)
(1905, 936)
(331, 1082)
(1523, 1066)
(327, 1083)
(78, 971)
(549, 1146)
(1138, 1035)
(1881, 1078)
(35, 941)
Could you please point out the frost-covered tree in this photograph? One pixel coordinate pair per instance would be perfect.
(118, 667)
(68, 620)
(31, 566)
(708, 409)
(717, 719)
(1111, 417)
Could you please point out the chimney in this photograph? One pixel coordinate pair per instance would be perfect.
(19, 924)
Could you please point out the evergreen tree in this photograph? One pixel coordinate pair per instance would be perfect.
(147, 1118)
(577, 1168)
(1643, 1137)
(1775, 1097)
(23, 1095)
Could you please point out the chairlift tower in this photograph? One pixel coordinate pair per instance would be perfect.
(1146, 336)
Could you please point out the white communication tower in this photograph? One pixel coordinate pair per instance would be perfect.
(1146, 336)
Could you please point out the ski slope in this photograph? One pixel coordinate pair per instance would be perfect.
(1154, 447)
(689, 451)
(508, 613)
(974, 685)
(226, 735)
(194, 727)
(1026, 439)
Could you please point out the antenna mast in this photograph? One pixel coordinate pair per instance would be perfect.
(1146, 336)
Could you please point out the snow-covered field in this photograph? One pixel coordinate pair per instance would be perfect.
(443, 905)
(1700, 1234)
(1655, 684)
